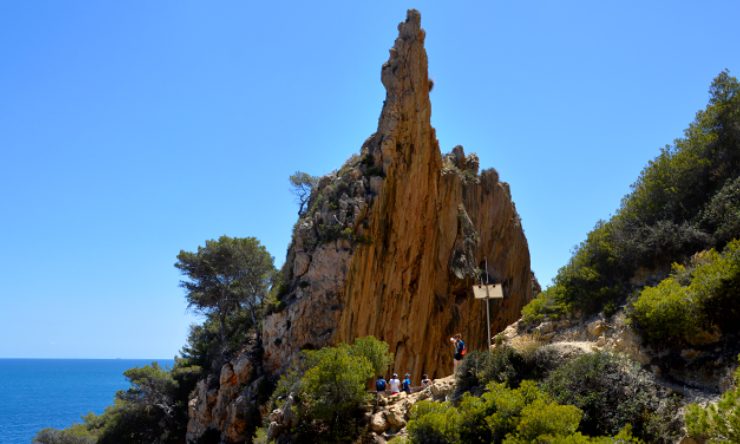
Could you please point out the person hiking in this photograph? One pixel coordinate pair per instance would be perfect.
(380, 385)
(407, 383)
(460, 350)
(395, 384)
(425, 382)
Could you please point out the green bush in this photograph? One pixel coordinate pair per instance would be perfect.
(501, 415)
(506, 365)
(613, 392)
(705, 297)
(721, 216)
(685, 200)
(434, 423)
(547, 418)
(717, 423)
(330, 388)
(665, 313)
(374, 351)
(549, 304)
(502, 364)
(152, 410)
(77, 434)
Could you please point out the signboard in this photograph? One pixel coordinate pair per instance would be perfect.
(494, 291)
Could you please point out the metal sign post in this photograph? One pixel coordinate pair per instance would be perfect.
(488, 292)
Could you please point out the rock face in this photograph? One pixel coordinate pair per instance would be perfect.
(393, 241)
(389, 245)
(226, 404)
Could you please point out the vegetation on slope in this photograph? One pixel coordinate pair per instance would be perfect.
(502, 415)
(717, 423)
(328, 390)
(686, 200)
(696, 301)
(227, 281)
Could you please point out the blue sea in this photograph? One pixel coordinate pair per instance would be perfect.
(40, 393)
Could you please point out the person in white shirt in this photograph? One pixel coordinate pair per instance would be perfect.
(395, 384)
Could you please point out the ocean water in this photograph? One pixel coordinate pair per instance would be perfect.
(40, 393)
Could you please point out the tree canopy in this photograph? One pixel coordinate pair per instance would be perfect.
(227, 278)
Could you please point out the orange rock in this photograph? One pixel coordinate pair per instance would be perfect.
(430, 221)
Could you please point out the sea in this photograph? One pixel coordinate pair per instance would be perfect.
(40, 393)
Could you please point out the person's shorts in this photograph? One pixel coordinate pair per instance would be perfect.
(458, 357)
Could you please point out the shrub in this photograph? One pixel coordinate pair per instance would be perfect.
(373, 350)
(77, 434)
(334, 385)
(548, 304)
(685, 200)
(667, 312)
(505, 364)
(502, 364)
(703, 297)
(613, 392)
(717, 423)
(501, 415)
(329, 386)
(722, 214)
(547, 418)
(434, 423)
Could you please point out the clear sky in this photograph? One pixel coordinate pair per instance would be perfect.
(131, 130)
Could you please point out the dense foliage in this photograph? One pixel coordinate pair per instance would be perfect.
(506, 365)
(702, 298)
(329, 388)
(227, 282)
(501, 415)
(720, 422)
(686, 200)
(614, 392)
(152, 410)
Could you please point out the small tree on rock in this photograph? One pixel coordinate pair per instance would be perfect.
(302, 184)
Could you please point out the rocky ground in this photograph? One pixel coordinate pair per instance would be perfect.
(388, 416)
(615, 335)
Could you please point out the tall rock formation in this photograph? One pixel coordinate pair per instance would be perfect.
(390, 246)
(392, 243)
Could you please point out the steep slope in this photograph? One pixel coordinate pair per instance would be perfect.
(393, 241)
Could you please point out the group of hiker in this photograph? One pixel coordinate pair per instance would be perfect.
(396, 386)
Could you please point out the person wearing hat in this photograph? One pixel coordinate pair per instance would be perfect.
(395, 384)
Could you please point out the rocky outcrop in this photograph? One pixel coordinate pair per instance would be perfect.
(227, 406)
(386, 416)
(390, 246)
(392, 243)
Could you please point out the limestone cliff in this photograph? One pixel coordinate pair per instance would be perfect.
(389, 245)
(393, 241)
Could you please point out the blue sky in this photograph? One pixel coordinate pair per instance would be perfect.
(131, 130)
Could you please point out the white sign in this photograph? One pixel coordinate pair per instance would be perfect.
(488, 291)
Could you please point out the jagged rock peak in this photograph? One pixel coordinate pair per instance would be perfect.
(404, 72)
(390, 246)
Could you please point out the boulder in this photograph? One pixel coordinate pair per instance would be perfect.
(596, 328)
(378, 424)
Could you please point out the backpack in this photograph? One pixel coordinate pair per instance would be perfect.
(463, 348)
(380, 385)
